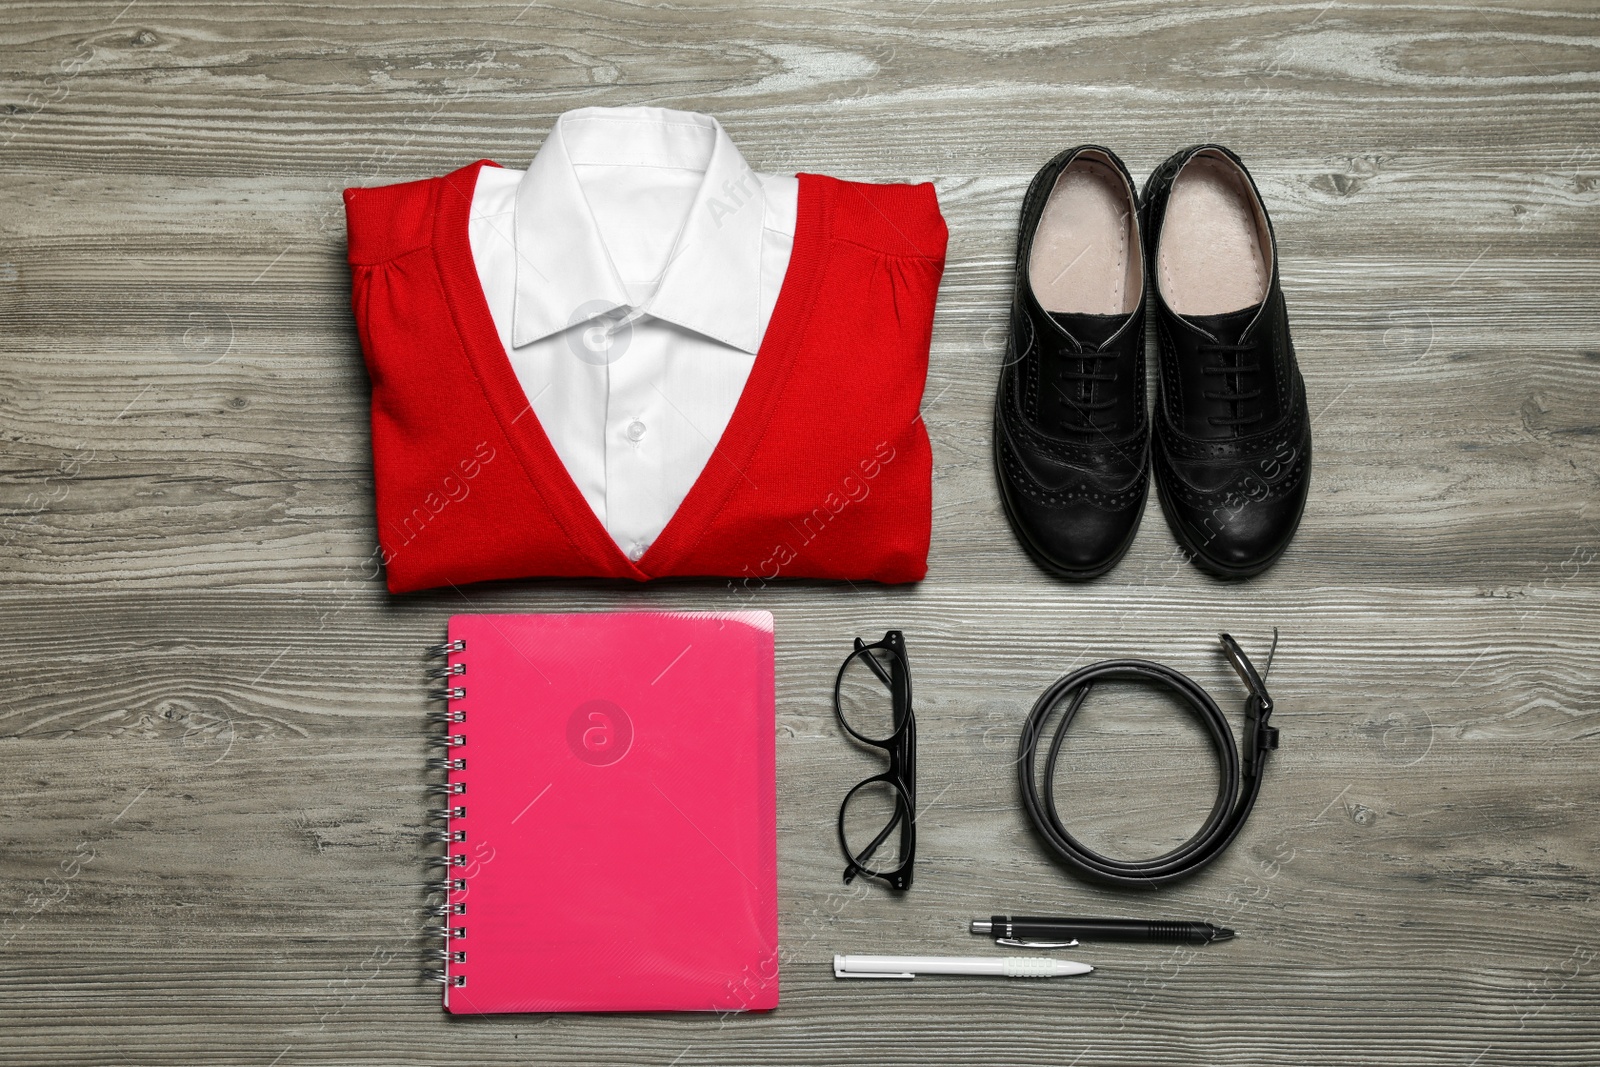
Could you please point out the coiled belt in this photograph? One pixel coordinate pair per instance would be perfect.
(1236, 789)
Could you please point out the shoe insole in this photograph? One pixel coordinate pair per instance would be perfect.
(1214, 252)
(1085, 256)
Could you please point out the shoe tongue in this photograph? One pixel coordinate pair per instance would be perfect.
(1090, 331)
(1227, 327)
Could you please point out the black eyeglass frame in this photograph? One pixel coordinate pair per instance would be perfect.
(901, 748)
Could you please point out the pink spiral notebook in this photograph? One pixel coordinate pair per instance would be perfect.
(612, 833)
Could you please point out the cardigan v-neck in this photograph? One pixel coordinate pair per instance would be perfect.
(521, 425)
(823, 471)
(631, 271)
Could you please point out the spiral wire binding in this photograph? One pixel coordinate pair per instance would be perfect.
(444, 837)
(449, 719)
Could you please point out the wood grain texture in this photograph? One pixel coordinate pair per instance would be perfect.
(210, 729)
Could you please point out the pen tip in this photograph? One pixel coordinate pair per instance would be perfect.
(1222, 934)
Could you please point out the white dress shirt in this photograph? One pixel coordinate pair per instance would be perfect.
(631, 271)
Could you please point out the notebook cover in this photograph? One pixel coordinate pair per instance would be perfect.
(620, 828)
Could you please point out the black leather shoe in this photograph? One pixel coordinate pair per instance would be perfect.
(1071, 437)
(1232, 438)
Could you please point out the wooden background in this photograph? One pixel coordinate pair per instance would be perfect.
(211, 715)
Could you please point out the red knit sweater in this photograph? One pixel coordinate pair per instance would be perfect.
(824, 470)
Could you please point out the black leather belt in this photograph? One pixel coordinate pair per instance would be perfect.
(1234, 800)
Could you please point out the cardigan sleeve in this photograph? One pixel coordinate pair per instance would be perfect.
(897, 220)
(388, 220)
(453, 501)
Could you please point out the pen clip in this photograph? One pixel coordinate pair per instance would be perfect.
(840, 972)
(1017, 942)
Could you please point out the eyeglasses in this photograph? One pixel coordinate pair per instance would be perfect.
(877, 821)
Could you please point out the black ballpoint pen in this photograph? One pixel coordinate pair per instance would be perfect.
(1042, 932)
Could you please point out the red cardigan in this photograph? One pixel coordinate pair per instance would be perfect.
(824, 470)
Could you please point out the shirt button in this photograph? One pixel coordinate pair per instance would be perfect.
(636, 430)
(636, 552)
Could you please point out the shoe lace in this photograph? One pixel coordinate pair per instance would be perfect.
(1082, 371)
(1228, 368)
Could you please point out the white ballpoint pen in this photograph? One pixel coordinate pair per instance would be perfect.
(911, 966)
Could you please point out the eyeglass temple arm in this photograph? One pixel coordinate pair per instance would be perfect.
(872, 663)
(865, 855)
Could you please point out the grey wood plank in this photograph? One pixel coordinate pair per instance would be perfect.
(209, 709)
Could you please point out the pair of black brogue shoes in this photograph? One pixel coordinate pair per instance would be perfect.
(1229, 439)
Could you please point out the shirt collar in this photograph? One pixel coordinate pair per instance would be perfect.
(565, 275)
